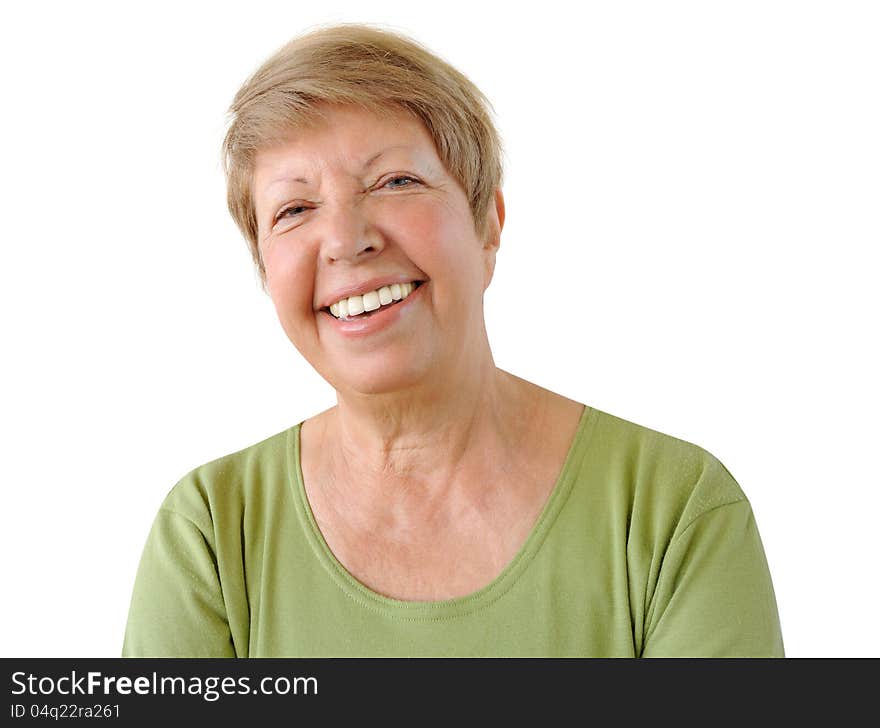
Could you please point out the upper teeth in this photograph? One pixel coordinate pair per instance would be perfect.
(353, 305)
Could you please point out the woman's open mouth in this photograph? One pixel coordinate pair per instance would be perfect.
(372, 302)
(352, 318)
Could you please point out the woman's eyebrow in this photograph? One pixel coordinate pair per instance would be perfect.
(369, 163)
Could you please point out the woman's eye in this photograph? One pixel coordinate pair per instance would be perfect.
(397, 179)
(292, 209)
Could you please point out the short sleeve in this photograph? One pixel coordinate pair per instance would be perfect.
(177, 607)
(714, 595)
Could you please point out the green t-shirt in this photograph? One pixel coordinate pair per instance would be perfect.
(646, 547)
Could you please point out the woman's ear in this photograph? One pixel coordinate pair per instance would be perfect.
(495, 222)
(493, 236)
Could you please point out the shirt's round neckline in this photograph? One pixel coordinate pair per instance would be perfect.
(446, 608)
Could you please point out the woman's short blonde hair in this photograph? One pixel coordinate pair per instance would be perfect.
(380, 71)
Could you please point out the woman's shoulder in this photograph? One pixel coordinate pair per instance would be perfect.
(664, 477)
(226, 485)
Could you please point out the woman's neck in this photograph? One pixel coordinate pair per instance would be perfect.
(432, 449)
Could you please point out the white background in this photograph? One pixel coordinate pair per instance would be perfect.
(692, 226)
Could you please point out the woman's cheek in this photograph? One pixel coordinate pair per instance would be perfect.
(419, 225)
(290, 279)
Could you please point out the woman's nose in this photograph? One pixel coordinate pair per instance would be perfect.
(347, 234)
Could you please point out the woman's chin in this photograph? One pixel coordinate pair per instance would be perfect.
(382, 378)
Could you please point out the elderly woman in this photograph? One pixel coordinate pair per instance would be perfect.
(443, 507)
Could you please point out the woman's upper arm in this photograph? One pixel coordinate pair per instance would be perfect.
(177, 607)
(714, 595)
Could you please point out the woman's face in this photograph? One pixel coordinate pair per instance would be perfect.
(352, 205)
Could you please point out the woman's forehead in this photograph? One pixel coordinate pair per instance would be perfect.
(352, 139)
(347, 128)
